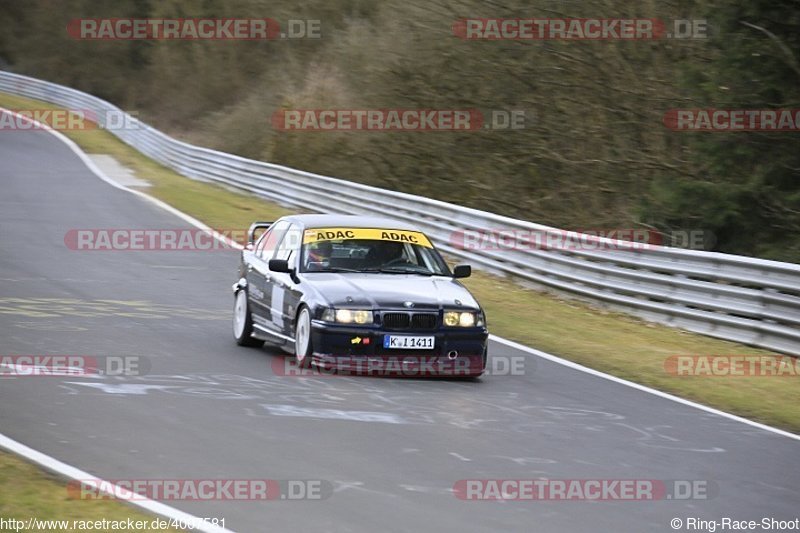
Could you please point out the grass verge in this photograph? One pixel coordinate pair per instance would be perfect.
(611, 342)
(26, 492)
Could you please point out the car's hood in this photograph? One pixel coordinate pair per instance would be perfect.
(382, 291)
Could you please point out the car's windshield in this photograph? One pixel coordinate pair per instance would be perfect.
(388, 252)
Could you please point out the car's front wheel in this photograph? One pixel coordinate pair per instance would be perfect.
(302, 338)
(243, 321)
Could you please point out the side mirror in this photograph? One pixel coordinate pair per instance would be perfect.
(279, 265)
(249, 246)
(461, 271)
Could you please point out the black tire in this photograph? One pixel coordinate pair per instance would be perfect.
(243, 321)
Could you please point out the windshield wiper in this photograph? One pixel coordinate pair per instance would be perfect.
(399, 270)
(336, 269)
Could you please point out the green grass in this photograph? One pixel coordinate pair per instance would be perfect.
(27, 491)
(611, 342)
(632, 349)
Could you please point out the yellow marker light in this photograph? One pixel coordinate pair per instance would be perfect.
(451, 318)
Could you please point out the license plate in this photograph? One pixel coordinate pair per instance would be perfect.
(407, 342)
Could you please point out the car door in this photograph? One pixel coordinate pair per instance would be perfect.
(258, 273)
(285, 292)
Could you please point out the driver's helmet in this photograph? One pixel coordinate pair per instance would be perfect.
(319, 252)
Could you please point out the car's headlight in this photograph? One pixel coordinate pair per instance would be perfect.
(463, 319)
(347, 316)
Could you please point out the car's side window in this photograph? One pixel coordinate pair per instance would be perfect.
(260, 242)
(290, 244)
(269, 241)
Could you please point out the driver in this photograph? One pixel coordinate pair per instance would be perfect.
(318, 255)
(386, 252)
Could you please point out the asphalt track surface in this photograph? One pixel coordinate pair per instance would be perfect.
(391, 448)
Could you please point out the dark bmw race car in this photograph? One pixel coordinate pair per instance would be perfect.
(357, 293)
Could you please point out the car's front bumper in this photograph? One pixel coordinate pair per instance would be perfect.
(457, 351)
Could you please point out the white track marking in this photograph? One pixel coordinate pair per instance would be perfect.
(158, 508)
(71, 472)
(333, 414)
(666, 395)
(99, 173)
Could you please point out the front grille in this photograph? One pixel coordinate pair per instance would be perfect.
(423, 321)
(396, 320)
(415, 321)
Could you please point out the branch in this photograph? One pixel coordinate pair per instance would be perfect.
(785, 49)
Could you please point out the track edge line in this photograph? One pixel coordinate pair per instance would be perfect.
(532, 351)
(644, 388)
(152, 506)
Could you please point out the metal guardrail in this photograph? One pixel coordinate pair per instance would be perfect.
(753, 301)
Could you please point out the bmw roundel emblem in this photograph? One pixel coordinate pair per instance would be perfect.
(408, 304)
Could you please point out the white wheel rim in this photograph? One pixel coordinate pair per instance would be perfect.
(301, 335)
(239, 314)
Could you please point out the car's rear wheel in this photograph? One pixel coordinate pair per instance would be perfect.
(302, 338)
(243, 321)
